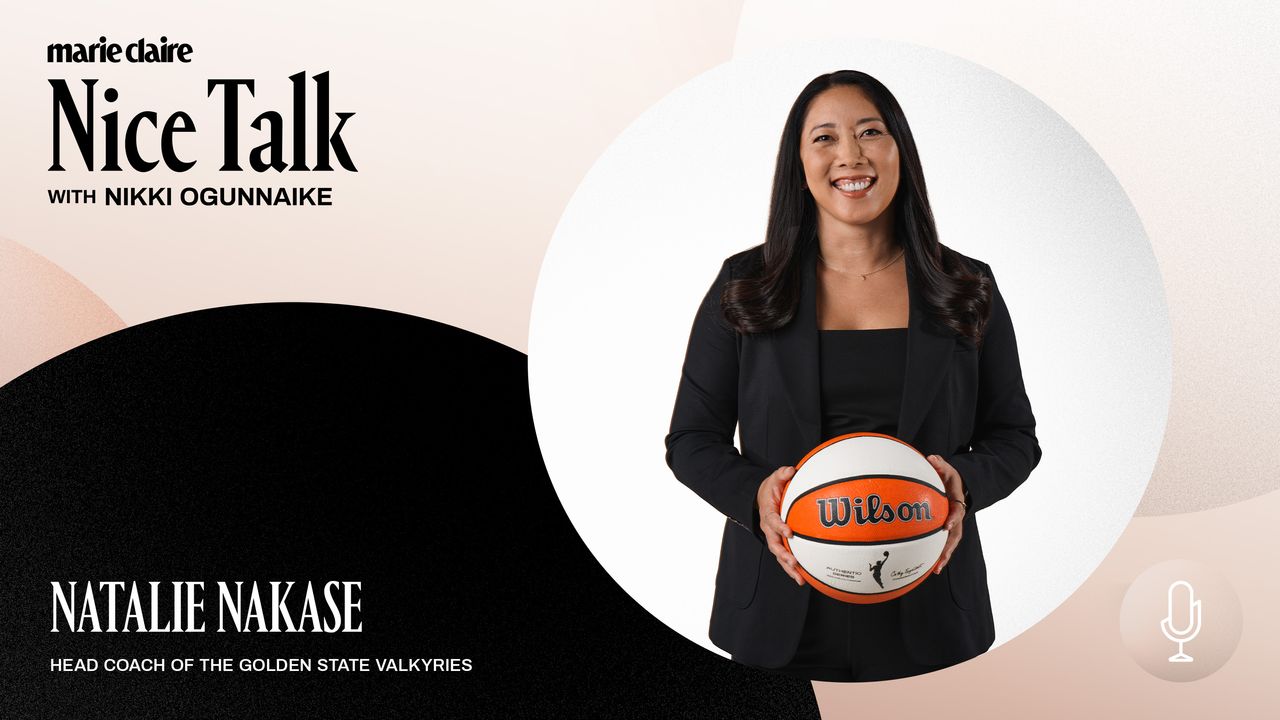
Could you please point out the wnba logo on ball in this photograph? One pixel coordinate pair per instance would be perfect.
(837, 511)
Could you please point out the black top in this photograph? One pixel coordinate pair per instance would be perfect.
(764, 390)
(862, 374)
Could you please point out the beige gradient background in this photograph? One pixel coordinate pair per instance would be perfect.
(477, 121)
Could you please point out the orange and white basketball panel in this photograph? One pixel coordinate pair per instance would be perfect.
(852, 568)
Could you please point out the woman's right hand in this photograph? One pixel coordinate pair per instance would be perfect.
(769, 501)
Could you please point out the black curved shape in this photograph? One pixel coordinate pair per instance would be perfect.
(324, 442)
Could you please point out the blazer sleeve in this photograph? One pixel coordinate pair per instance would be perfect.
(700, 449)
(1004, 449)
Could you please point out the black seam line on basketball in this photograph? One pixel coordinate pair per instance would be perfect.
(824, 541)
(871, 594)
(877, 476)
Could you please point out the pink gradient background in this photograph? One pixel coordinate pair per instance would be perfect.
(458, 104)
(43, 311)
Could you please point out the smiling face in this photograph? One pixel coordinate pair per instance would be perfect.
(850, 160)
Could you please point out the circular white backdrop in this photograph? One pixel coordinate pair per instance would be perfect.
(688, 184)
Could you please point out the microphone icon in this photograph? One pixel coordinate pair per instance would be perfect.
(1193, 615)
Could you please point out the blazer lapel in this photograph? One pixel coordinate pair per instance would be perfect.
(796, 352)
(929, 350)
(795, 348)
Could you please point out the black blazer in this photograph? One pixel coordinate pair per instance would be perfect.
(959, 401)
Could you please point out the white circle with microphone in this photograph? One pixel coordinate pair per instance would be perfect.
(1180, 620)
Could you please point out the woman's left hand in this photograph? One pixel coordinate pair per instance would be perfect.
(955, 518)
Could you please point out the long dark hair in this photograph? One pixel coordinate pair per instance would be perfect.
(954, 295)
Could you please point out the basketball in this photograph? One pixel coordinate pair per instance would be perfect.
(867, 513)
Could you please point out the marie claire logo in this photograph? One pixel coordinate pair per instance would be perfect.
(871, 510)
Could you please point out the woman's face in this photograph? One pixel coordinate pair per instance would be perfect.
(850, 160)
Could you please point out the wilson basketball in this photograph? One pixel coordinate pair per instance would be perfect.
(867, 511)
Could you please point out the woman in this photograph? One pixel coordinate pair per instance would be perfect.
(851, 317)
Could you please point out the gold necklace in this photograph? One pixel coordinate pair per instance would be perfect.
(863, 275)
